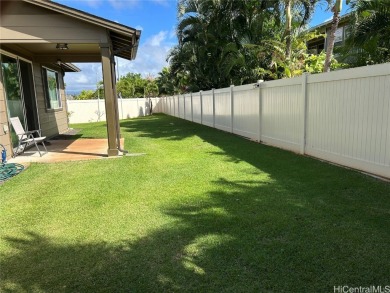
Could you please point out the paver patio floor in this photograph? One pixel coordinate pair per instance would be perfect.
(66, 150)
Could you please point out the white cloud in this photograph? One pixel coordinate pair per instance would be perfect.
(94, 3)
(157, 39)
(161, 2)
(82, 78)
(120, 4)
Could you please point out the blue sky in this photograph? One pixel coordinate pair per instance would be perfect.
(157, 20)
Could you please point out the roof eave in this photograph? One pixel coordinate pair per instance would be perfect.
(130, 35)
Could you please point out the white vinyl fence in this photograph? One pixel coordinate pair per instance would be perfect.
(341, 116)
(94, 110)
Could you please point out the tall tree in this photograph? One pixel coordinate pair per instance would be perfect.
(369, 34)
(213, 37)
(165, 82)
(300, 11)
(336, 6)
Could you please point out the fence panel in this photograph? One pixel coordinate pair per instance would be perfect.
(348, 118)
(86, 111)
(181, 106)
(188, 107)
(223, 109)
(94, 110)
(282, 113)
(341, 116)
(176, 105)
(207, 106)
(132, 108)
(246, 111)
(196, 108)
(171, 106)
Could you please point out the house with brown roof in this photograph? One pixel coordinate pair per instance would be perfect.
(39, 40)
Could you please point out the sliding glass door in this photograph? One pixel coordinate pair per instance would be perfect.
(28, 90)
(11, 82)
(19, 92)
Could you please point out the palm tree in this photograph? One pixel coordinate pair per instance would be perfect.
(165, 82)
(214, 36)
(369, 39)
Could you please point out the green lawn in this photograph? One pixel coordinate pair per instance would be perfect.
(202, 211)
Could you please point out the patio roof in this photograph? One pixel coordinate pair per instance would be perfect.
(124, 39)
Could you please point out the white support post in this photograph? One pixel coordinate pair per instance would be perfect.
(232, 107)
(184, 100)
(260, 109)
(201, 107)
(192, 109)
(304, 112)
(178, 106)
(213, 108)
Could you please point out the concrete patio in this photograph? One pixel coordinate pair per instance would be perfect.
(66, 150)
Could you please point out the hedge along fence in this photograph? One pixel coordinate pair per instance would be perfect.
(94, 110)
(341, 116)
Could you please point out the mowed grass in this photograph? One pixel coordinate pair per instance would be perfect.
(202, 211)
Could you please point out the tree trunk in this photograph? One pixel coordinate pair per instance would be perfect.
(330, 40)
(288, 28)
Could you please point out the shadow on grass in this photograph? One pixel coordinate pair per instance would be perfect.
(159, 126)
(301, 226)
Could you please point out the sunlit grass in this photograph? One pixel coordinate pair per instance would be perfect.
(202, 211)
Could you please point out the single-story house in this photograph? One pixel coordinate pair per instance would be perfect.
(39, 40)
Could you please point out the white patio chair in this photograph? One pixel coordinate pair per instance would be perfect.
(27, 137)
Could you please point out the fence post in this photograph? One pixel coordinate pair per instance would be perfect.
(184, 100)
(232, 106)
(120, 96)
(304, 112)
(260, 108)
(213, 108)
(201, 107)
(192, 109)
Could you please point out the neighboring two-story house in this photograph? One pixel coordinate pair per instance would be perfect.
(315, 46)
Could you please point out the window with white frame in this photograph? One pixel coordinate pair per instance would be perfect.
(52, 90)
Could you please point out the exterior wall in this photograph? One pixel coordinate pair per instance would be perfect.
(341, 116)
(52, 122)
(315, 46)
